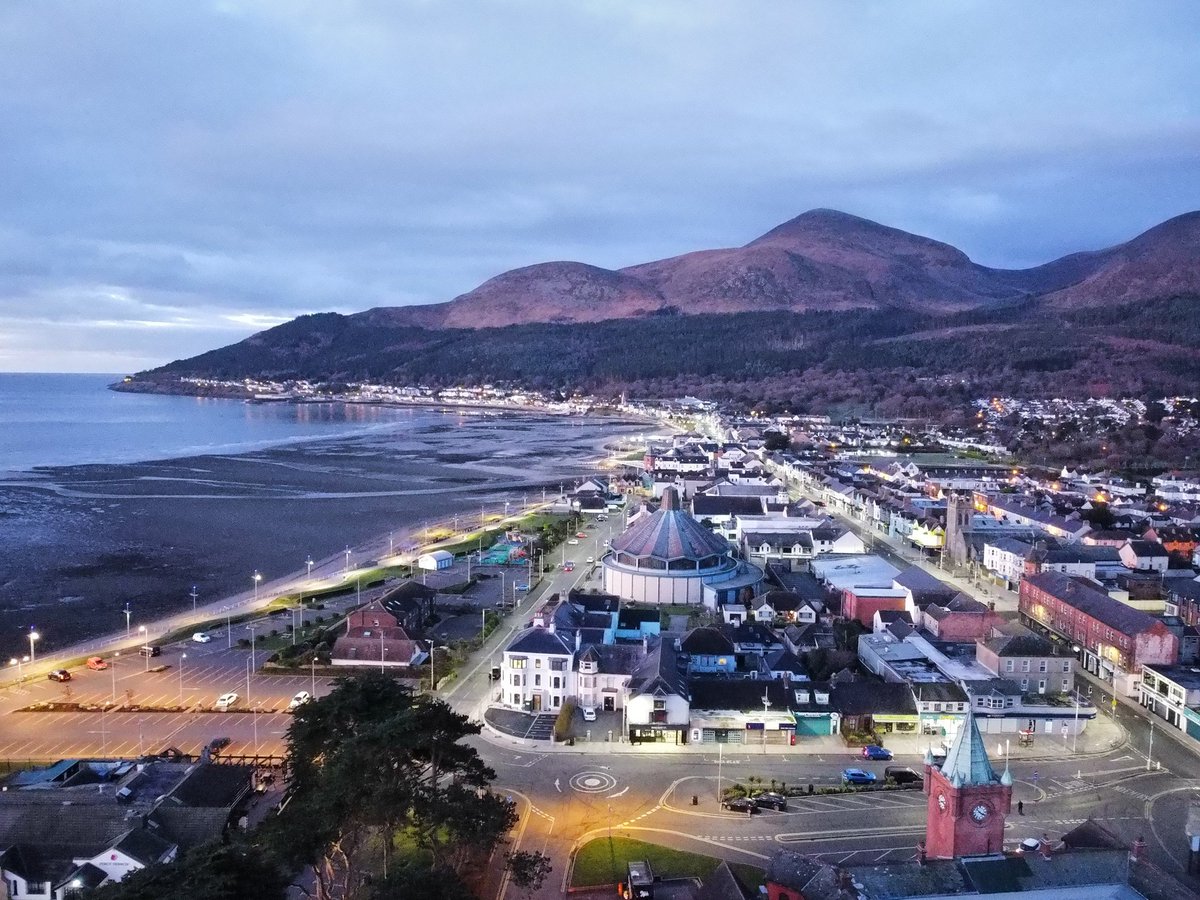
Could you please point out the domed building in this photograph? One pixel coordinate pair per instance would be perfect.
(670, 558)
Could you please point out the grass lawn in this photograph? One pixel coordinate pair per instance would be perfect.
(602, 861)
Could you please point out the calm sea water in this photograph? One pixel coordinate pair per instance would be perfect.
(55, 420)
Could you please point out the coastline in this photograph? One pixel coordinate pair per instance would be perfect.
(146, 532)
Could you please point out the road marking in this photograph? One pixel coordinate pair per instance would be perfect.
(592, 782)
(619, 793)
(558, 785)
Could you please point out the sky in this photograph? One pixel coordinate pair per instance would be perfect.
(175, 176)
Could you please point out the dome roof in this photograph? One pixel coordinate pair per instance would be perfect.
(671, 534)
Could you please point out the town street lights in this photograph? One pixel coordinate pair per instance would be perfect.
(247, 681)
(20, 669)
(34, 637)
(142, 638)
(347, 560)
(182, 657)
(252, 626)
(257, 578)
(113, 666)
(193, 596)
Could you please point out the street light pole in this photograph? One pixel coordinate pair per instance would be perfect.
(113, 665)
(193, 596)
(381, 652)
(182, 657)
(347, 560)
(128, 613)
(257, 578)
(142, 637)
(720, 764)
(33, 638)
(252, 626)
(247, 681)
(309, 562)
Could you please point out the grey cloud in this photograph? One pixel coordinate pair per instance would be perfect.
(209, 163)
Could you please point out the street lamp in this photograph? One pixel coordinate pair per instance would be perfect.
(182, 657)
(193, 596)
(33, 638)
(128, 613)
(252, 626)
(113, 666)
(257, 578)
(347, 560)
(142, 637)
(432, 680)
(309, 562)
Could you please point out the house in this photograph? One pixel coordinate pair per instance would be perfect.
(535, 669)
(962, 619)
(1180, 541)
(707, 650)
(782, 665)
(1024, 657)
(785, 606)
(374, 637)
(1116, 640)
(920, 589)
(862, 603)
(1173, 692)
(657, 703)
(1145, 556)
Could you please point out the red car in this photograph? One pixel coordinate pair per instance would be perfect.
(581, 534)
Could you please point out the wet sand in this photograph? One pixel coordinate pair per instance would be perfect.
(81, 541)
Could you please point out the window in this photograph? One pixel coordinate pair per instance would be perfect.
(517, 663)
(1024, 684)
(537, 680)
(516, 680)
(1010, 665)
(1067, 666)
(660, 704)
(1042, 666)
(1024, 665)
(558, 665)
(557, 700)
(1066, 685)
(1041, 685)
(537, 663)
(556, 683)
(516, 700)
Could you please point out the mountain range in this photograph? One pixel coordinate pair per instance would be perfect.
(825, 291)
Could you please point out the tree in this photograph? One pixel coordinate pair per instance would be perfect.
(208, 872)
(373, 759)
(528, 870)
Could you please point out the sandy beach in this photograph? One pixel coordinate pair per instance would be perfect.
(82, 541)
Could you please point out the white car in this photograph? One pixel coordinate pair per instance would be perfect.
(201, 638)
(225, 701)
(573, 541)
(590, 559)
(299, 700)
(589, 714)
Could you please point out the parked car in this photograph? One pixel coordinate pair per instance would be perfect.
(96, 664)
(522, 586)
(771, 800)
(903, 775)
(217, 744)
(59, 675)
(739, 804)
(572, 541)
(857, 776)
(201, 638)
(299, 700)
(874, 751)
(225, 701)
(590, 560)
(589, 714)
(150, 650)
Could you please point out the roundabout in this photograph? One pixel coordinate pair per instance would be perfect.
(592, 782)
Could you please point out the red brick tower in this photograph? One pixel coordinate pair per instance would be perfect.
(967, 801)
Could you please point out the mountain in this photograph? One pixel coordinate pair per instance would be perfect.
(825, 292)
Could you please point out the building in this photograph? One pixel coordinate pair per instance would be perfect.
(435, 560)
(1115, 640)
(1145, 556)
(1173, 692)
(657, 702)
(375, 637)
(670, 558)
(967, 802)
(1032, 661)
(535, 670)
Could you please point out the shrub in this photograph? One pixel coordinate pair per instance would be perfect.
(562, 725)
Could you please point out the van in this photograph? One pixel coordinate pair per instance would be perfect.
(903, 775)
(151, 650)
(96, 664)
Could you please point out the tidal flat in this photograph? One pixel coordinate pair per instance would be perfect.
(79, 542)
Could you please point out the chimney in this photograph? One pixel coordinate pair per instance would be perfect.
(921, 855)
(578, 638)
(1138, 851)
(1044, 846)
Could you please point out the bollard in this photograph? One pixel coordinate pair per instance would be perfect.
(695, 800)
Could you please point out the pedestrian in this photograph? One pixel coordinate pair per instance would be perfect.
(1020, 807)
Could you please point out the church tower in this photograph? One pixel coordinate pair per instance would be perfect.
(967, 801)
(959, 509)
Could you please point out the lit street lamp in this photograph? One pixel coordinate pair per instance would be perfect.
(128, 613)
(309, 562)
(257, 578)
(182, 657)
(20, 669)
(113, 666)
(347, 560)
(193, 596)
(33, 638)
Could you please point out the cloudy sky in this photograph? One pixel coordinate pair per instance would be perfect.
(176, 176)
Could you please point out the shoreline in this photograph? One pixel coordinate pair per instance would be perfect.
(450, 499)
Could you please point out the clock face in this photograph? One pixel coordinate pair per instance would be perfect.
(941, 801)
(980, 812)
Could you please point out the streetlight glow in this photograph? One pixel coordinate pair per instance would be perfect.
(33, 637)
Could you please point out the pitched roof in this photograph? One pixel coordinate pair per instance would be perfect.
(707, 640)
(967, 761)
(143, 846)
(671, 533)
(658, 672)
(722, 884)
(540, 640)
(1090, 601)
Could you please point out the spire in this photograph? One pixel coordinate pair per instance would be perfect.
(967, 760)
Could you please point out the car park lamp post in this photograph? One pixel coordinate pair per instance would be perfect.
(34, 637)
(347, 560)
(257, 578)
(112, 665)
(182, 657)
(142, 638)
(309, 562)
(128, 613)
(193, 595)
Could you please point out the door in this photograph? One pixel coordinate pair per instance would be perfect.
(537, 702)
(609, 705)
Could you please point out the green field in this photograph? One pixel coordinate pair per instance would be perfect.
(602, 861)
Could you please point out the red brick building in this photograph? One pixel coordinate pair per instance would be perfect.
(1115, 640)
(962, 619)
(967, 800)
(862, 603)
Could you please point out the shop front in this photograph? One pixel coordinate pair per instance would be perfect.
(658, 733)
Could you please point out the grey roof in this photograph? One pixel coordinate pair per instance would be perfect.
(722, 884)
(1093, 602)
(659, 673)
(143, 846)
(967, 761)
(1020, 645)
(709, 505)
(707, 640)
(863, 697)
(671, 534)
(785, 661)
(1148, 548)
(746, 694)
(799, 872)
(540, 640)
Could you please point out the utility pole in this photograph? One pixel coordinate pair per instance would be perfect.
(1150, 749)
(193, 596)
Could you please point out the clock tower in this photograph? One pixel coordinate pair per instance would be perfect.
(967, 801)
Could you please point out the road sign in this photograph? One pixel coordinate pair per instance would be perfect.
(1036, 776)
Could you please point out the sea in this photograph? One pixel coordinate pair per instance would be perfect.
(64, 420)
(110, 498)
